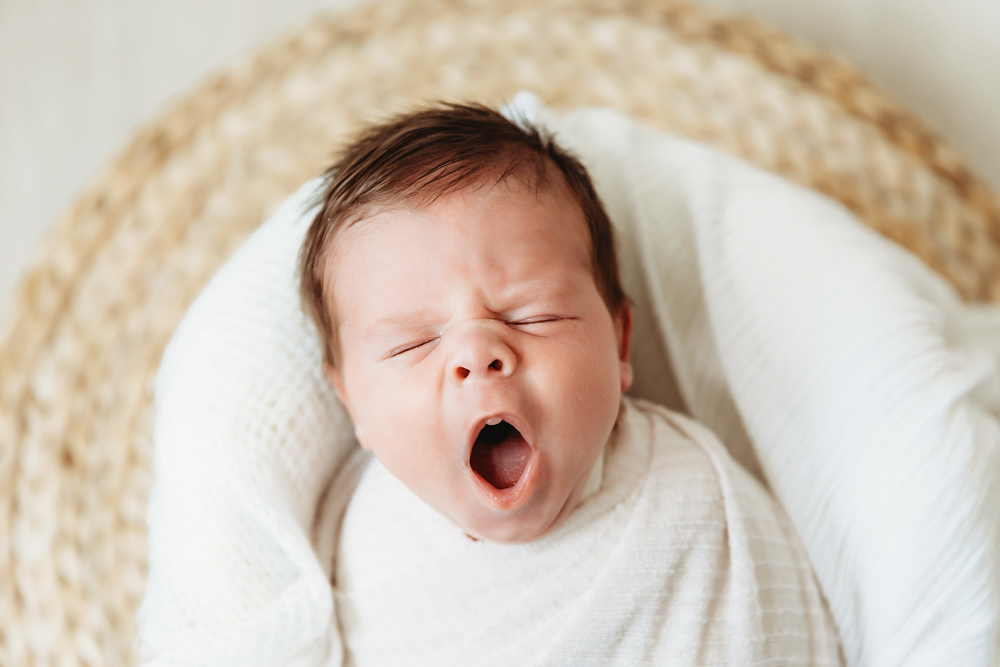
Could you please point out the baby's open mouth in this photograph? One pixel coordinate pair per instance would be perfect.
(500, 455)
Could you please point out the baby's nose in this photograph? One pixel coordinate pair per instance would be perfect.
(480, 354)
(463, 372)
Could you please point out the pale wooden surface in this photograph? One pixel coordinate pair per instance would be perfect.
(77, 77)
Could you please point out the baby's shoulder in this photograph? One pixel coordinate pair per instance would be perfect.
(686, 460)
(671, 434)
(672, 439)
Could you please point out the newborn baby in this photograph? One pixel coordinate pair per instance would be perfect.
(462, 274)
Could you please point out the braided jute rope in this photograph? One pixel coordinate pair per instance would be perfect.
(92, 317)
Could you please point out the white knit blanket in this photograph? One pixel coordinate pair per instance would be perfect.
(680, 558)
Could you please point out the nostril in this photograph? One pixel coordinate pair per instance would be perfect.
(497, 365)
(462, 372)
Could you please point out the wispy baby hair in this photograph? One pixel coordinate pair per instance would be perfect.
(413, 159)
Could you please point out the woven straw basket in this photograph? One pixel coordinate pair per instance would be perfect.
(79, 358)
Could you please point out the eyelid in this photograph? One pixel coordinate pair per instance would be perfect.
(540, 319)
(409, 346)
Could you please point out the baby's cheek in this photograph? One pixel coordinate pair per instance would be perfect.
(591, 368)
(403, 411)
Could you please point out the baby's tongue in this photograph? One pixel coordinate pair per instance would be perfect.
(500, 455)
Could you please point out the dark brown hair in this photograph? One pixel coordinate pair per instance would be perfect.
(417, 157)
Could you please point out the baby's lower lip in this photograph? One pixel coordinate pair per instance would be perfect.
(512, 497)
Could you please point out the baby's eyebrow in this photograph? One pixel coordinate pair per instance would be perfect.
(395, 325)
(542, 292)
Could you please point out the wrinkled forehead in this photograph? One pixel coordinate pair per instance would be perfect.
(519, 186)
(517, 227)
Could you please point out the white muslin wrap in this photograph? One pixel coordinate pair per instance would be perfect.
(680, 558)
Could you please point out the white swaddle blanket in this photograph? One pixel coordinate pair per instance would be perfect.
(828, 361)
(680, 558)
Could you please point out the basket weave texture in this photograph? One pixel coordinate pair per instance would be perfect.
(79, 357)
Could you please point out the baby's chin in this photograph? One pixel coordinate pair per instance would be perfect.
(512, 531)
(528, 523)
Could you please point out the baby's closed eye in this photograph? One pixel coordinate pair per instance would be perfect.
(532, 324)
(538, 320)
(412, 345)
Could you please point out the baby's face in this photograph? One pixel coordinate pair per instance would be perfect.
(478, 360)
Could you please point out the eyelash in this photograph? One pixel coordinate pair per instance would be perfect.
(402, 350)
(541, 320)
(408, 348)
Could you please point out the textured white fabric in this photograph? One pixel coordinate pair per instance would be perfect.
(246, 436)
(868, 391)
(680, 558)
(828, 360)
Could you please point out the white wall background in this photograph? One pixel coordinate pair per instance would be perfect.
(78, 76)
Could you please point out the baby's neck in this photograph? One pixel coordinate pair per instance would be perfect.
(593, 483)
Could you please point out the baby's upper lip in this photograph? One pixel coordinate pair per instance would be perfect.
(511, 418)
